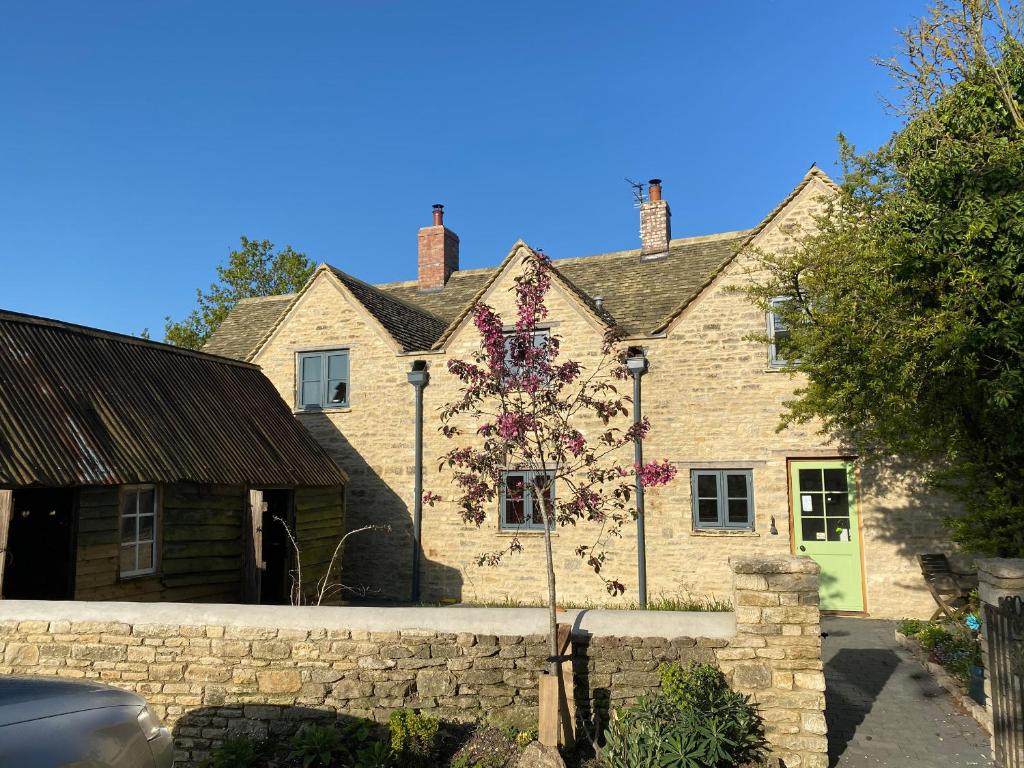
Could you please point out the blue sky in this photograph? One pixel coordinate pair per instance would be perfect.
(140, 139)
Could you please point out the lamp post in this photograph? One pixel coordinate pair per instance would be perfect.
(636, 362)
(419, 378)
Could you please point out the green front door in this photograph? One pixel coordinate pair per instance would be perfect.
(825, 527)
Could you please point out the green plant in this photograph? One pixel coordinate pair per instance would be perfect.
(910, 627)
(239, 752)
(525, 738)
(377, 754)
(931, 635)
(413, 737)
(696, 721)
(317, 745)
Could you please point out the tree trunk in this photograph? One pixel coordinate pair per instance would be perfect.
(553, 666)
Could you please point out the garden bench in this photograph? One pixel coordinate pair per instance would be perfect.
(951, 589)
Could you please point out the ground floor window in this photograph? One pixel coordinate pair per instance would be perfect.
(138, 530)
(722, 498)
(521, 492)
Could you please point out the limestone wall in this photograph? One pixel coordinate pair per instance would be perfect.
(216, 670)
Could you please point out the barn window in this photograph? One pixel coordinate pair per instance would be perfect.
(138, 530)
(323, 379)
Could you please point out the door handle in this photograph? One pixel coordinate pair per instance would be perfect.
(803, 548)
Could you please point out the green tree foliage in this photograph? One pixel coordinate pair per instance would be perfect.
(907, 311)
(256, 269)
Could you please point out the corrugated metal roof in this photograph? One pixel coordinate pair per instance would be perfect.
(80, 406)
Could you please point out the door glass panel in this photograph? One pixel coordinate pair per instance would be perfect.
(738, 511)
(811, 504)
(812, 529)
(736, 486)
(810, 480)
(707, 486)
(839, 529)
(835, 480)
(837, 504)
(707, 510)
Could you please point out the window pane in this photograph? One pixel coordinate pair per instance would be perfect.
(129, 499)
(147, 498)
(707, 511)
(310, 393)
(146, 528)
(337, 392)
(811, 505)
(514, 507)
(128, 559)
(738, 511)
(312, 368)
(337, 366)
(813, 529)
(128, 529)
(736, 486)
(707, 486)
(810, 479)
(543, 485)
(839, 529)
(835, 480)
(145, 557)
(837, 504)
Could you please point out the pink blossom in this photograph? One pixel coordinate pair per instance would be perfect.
(656, 473)
(430, 498)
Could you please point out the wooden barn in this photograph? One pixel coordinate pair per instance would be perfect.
(133, 470)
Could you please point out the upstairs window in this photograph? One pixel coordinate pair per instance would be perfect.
(778, 337)
(520, 500)
(138, 530)
(323, 379)
(539, 338)
(722, 499)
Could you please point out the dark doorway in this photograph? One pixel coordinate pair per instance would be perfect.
(40, 562)
(278, 555)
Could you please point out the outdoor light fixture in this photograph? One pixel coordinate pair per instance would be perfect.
(419, 377)
(636, 362)
(773, 530)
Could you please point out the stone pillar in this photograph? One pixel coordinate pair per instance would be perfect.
(775, 657)
(997, 577)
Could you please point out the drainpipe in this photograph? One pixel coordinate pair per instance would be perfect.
(636, 362)
(419, 378)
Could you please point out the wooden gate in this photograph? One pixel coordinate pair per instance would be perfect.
(1005, 634)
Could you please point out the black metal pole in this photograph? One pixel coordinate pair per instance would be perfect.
(418, 377)
(638, 457)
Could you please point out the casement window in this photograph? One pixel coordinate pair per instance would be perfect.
(722, 499)
(539, 337)
(139, 519)
(323, 380)
(778, 337)
(520, 500)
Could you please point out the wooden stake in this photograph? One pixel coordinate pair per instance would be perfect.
(548, 729)
(6, 505)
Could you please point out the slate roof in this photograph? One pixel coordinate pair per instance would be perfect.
(81, 406)
(640, 297)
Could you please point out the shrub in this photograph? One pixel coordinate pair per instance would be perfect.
(317, 745)
(696, 721)
(413, 737)
(239, 752)
(910, 627)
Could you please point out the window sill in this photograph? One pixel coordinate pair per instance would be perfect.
(712, 532)
(328, 409)
(780, 369)
(530, 532)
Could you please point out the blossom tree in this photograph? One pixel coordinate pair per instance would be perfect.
(555, 422)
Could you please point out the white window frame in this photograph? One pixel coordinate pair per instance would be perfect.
(722, 500)
(528, 523)
(775, 358)
(137, 542)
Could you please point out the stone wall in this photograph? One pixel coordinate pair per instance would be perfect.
(215, 670)
(1002, 578)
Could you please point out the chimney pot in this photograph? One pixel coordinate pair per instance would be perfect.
(438, 215)
(655, 224)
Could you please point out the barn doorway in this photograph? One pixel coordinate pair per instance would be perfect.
(40, 553)
(278, 553)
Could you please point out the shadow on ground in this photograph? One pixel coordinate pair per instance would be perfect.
(855, 678)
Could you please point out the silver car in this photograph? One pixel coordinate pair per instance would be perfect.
(53, 723)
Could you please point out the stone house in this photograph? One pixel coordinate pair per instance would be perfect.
(347, 356)
(132, 470)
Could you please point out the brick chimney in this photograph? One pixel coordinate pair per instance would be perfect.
(655, 223)
(439, 253)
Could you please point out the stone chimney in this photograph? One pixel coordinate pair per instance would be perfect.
(655, 223)
(439, 253)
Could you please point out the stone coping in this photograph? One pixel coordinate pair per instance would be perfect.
(448, 619)
(1001, 568)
